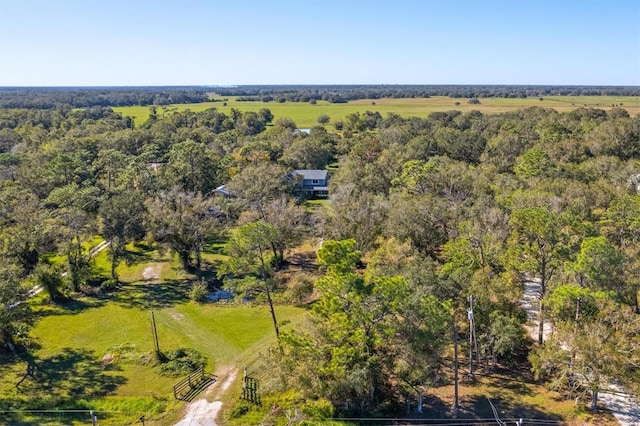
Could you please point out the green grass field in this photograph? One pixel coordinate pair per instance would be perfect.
(305, 114)
(97, 351)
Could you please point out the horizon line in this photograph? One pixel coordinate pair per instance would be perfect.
(233, 86)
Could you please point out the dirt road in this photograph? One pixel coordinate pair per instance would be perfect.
(202, 412)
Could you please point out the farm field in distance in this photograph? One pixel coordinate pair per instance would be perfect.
(305, 114)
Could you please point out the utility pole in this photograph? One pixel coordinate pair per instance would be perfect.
(456, 407)
(473, 342)
(155, 335)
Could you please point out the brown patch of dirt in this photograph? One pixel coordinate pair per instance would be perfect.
(109, 358)
(152, 272)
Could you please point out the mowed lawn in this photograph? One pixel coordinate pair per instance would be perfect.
(305, 115)
(222, 333)
(97, 351)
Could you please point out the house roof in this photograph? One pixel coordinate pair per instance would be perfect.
(312, 174)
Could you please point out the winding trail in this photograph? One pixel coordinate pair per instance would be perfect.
(624, 407)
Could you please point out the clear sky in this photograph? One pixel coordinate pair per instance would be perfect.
(228, 42)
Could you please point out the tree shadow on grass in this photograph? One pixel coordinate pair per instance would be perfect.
(478, 406)
(135, 257)
(501, 378)
(68, 307)
(305, 261)
(435, 408)
(74, 373)
(148, 295)
(14, 420)
(215, 246)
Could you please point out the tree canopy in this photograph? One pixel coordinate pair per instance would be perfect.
(422, 213)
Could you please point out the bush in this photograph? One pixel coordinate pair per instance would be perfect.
(319, 409)
(51, 280)
(239, 410)
(109, 285)
(181, 361)
(199, 292)
(323, 119)
(300, 289)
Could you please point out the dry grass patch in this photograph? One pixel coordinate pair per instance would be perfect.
(515, 395)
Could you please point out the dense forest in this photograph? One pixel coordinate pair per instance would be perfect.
(80, 97)
(422, 214)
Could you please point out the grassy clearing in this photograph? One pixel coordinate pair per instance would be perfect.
(314, 206)
(61, 259)
(97, 352)
(305, 115)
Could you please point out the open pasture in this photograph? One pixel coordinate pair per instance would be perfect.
(305, 114)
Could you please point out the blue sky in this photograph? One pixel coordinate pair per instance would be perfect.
(225, 42)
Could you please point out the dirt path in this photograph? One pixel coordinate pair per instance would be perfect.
(623, 406)
(97, 249)
(530, 303)
(204, 413)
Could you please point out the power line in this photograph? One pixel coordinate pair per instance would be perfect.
(495, 413)
(448, 422)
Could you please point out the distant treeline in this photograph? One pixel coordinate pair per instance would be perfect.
(86, 97)
(344, 93)
(83, 97)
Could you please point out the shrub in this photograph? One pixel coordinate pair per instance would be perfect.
(109, 285)
(323, 119)
(239, 410)
(51, 280)
(181, 361)
(198, 292)
(300, 289)
(319, 409)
